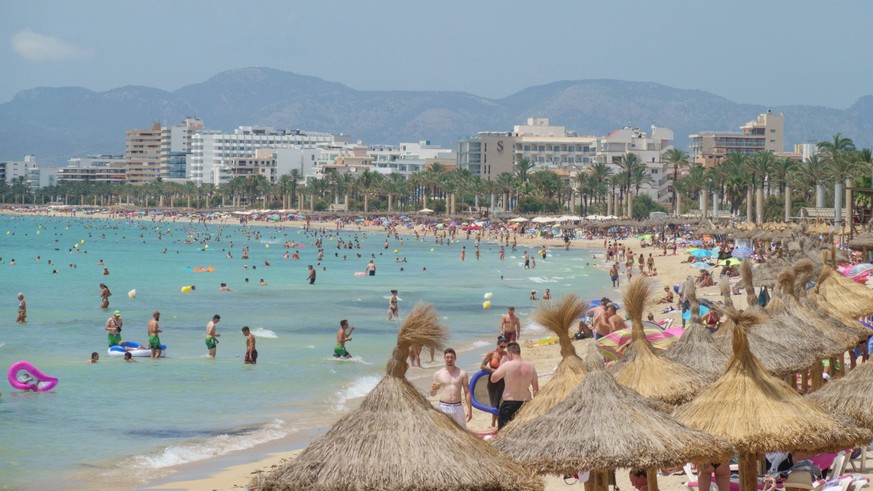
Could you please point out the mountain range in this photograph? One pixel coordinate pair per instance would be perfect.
(57, 123)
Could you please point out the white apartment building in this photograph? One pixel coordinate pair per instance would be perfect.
(547, 146)
(408, 158)
(552, 147)
(94, 168)
(27, 168)
(212, 151)
(649, 148)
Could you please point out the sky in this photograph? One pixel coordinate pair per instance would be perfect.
(773, 52)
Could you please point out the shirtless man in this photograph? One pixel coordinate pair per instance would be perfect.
(510, 326)
(519, 376)
(608, 322)
(113, 328)
(211, 342)
(154, 339)
(251, 353)
(343, 336)
(451, 382)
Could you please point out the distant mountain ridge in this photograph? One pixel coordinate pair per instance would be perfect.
(56, 124)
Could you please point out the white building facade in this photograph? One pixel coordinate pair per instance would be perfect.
(650, 148)
(213, 151)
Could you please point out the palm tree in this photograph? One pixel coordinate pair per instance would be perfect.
(733, 178)
(504, 183)
(678, 158)
(628, 163)
(393, 185)
(522, 168)
(759, 166)
(834, 153)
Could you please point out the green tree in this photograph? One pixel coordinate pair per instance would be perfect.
(678, 158)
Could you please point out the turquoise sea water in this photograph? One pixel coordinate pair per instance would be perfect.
(124, 424)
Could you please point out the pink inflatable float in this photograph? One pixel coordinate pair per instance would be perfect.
(24, 376)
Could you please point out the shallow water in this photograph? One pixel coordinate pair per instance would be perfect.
(128, 423)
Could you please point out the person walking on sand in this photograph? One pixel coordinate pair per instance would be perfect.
(393, 309)
(510, 325)
(154, 331)
(343, 336)
(211, 335)
(22, 309)
(251, 357)
(104, 296)
(451, 382)
(520, 377)
(113, 328)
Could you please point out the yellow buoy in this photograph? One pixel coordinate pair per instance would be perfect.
(186, 289)
(486, 304)
(395, 251)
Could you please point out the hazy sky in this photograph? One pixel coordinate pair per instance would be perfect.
(772, 52)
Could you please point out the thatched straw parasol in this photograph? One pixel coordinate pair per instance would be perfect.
(697, 348)
(846, 296)
(850, 396)
(602, 425)
(780, 345)
(760, 413)
(644, 371)
(397, 441)
(558, 318)
(824, 311)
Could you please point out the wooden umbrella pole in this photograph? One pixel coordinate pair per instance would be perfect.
(805, 382)
(816, 375)
(652, 479)
(589, 484)
(748, 472)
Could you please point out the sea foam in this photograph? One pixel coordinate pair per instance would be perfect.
(360, 387)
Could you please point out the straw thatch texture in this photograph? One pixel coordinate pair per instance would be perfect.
(838, 322)
(641, 369)
(850, 396)
(758, 412)
(697, 348)
(836, 339)
(784, 308)
(603, 425)
(558, 318)
(780, 353)
(847, 296)
(396, 440)
(862, 241)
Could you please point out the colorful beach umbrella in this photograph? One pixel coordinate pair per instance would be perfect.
(742, 252)
(730, 261)
(611, 345)
(687, 315)
(700, 265)
(700, 253)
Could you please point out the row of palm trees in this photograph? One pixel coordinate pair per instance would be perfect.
(738, 180)
(751, 181)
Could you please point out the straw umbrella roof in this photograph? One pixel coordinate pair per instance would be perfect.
(558, 318)
(618, 428)
(758, 412)
(397, 441)
(697, 348)
(847, 296)
(782, 346)
(803, 271)
(850, 396)
(834, 341)
(784, 307)
(862, 241)
(643, 370)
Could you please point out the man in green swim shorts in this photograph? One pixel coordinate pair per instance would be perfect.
(343, 335)
(113, 329)
(154, 329)
(211, 342)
